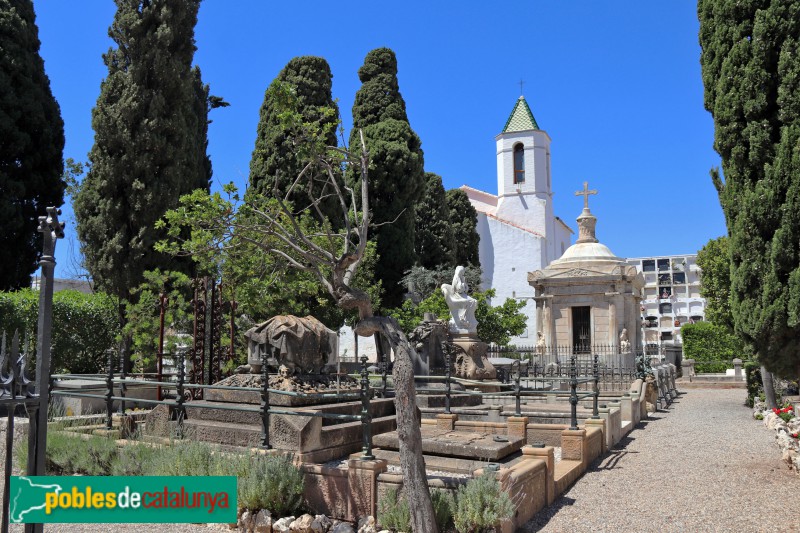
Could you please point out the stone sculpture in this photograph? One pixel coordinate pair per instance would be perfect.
(469, 351)
(462, 306)
(624, 343)
(301, 345)
(540, 343)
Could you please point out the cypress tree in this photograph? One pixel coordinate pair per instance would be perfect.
(150, 127)
(464, 221)
(714, 262)
(433, 235)
(751, 73)
(31, 146)
(396, 167)
(276, 161)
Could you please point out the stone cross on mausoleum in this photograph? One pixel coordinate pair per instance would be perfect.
(586, 193)
(587, 221)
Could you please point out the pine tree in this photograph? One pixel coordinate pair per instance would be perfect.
(751, 74)
(150, 127)
(464, 220)
(31, 144)
(433, 235)
(276, 160)
(396, 167)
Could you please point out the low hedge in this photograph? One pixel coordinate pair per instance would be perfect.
(704, 341)
(84, 326)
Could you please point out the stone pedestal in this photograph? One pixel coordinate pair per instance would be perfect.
(446, 422)
(546, 454)
(599, 423)
(362, 480)
(572, 444)
(518, 427)
(470, 358)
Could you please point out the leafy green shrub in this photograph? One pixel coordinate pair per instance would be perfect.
(271, 482)
(84, 326)
(480, 504)
(443, 506)
(496, 324)
(752, 372)
(705, 341)
(72, 454)
(393, 513)
(132, 458)
(144, 315)
(758, 416)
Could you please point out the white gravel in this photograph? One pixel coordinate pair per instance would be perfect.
(705, 465)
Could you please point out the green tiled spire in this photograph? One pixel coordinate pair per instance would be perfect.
(521, 118)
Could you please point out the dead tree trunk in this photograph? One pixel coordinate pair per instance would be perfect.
(415, 481)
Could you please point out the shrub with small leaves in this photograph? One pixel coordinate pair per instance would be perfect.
(393, 512)
(443, 506)
(481, 504)
(272, 482)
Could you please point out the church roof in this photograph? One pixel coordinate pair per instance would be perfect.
(521, 118)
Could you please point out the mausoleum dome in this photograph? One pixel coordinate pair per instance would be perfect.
(587, 252)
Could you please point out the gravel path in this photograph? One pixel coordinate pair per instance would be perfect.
(705, 465)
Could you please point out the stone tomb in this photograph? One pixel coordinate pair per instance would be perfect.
(310, 438)
(300, 348)
(482, 445)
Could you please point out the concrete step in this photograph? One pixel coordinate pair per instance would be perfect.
(249, 435)
(202, 410)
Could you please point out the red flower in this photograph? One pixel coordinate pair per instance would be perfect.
(776, 410)
(794, 435)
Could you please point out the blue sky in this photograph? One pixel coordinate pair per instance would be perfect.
(616, 85)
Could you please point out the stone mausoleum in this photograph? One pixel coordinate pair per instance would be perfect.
(588, 298)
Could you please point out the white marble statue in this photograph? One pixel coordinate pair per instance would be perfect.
(624, 343)
(540, 343)
(462, 306)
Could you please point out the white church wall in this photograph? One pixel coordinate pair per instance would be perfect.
(507, 254)
(528, 211)
(562, 239)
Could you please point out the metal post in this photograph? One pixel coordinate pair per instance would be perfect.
(51, 230)
(109, 390)
(180, 409)
(123, 389)
(447, 378)
(573, 392)
(12, 407)
(366, 418)
(595, 412)
(232, 331)
(163, 302)
(265, 400)
(517, 376)
(385, 365)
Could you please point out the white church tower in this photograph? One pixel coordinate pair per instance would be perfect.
(518, 230)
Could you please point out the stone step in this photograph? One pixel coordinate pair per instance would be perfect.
(455, 465)
(200, 410)
(249, 435)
